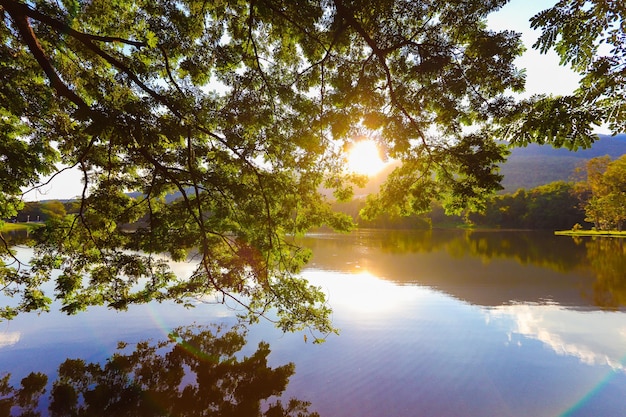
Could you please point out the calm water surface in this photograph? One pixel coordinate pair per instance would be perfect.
(440, 323)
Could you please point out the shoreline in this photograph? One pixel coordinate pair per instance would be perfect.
(601, 233)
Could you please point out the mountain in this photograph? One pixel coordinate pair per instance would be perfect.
(530, 166)
(536, 165)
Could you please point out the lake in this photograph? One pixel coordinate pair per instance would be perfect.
(438, 323)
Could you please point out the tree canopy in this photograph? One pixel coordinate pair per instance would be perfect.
(243, 109)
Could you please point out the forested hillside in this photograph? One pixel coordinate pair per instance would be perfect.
(537, 165)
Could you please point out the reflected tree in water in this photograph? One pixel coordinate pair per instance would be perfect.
(525, 247)
(18, 237)
(607, 257)
(198, 371)
(25, 397)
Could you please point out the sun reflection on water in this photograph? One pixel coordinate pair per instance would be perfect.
(362, 292)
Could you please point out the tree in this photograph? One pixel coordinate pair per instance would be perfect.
(553, 206)
(604, 192)
(615, 179)
(242, 108)
(53, 209)
(591, 187)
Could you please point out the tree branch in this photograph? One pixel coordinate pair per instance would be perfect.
(17, 11)
(381, 54)
(64, 27)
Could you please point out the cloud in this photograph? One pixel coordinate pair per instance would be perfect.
(9, 338)
(593, 337)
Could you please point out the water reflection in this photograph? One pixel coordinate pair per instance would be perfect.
(17, 237)
(441, 323)
(486, 268)
(538, 248)
(593, 337)
(199, 370)
(473, 323)
(607, 258)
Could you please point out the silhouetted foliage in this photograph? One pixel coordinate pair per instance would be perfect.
(197, 372)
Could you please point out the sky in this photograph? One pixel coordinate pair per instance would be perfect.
(544, 75)
(543, 72)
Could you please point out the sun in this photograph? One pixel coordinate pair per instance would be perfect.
(364, 158)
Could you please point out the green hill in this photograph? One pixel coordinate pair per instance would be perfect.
(537, 165)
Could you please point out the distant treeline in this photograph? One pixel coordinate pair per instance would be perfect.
(35, 211)
(552, 206)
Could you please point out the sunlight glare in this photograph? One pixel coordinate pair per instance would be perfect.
(364, 158)
(363, 293)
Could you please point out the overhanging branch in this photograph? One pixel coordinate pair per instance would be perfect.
(20, 18)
